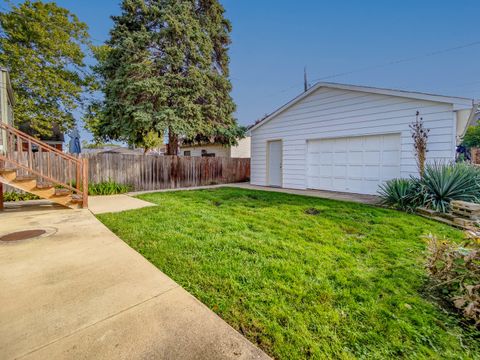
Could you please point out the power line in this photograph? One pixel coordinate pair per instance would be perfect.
(399, 61)
(331, 76)
(389, 63)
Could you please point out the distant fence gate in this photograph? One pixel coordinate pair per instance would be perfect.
(149, 172)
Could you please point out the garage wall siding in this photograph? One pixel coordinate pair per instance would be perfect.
(333, 113)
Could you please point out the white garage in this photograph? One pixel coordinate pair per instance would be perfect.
(352, 138)
(357, 164)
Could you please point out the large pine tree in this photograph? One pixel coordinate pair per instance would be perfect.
(165, 70)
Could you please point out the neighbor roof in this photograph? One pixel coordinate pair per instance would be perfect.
(458, 103)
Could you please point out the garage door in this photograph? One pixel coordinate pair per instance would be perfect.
(353, 164)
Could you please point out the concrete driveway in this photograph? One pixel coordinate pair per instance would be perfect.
(79, 292)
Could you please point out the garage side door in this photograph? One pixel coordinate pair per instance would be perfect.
(353, 164)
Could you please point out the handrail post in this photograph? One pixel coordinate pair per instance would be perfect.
(1, 188)
(1, 196)
(30, 154)
(78, 173)
(85, 182)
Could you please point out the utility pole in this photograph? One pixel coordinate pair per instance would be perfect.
(305, 82)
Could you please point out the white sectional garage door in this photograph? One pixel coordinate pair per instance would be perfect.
(353, 164)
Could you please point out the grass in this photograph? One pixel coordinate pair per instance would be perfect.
(301, 277)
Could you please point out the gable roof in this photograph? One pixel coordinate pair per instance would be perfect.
(458, 103)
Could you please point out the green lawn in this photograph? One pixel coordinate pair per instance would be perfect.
(344, 282)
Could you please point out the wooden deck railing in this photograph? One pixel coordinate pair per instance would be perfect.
(28, 155)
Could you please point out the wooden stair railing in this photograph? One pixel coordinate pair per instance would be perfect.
(29, 164)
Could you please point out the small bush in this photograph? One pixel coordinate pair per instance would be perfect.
(442, 183)
(18, 196)
(472, 137)
(401, 194)
(420, 141)
(455, 272)
(109, 187)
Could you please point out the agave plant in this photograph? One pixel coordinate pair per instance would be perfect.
(444, 182)
(401, 194)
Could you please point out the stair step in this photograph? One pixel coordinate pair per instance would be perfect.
(44, 185)
(44, 190)
(76, 199)
(62, 192)
(8, 174)
(25, 178)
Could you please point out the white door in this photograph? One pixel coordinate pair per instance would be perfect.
(275, 163)
(353, 164)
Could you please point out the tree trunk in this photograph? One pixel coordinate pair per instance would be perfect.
(172, 146)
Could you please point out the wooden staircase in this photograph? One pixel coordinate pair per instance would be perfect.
(30, 165)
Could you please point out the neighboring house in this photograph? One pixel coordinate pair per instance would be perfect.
(352, 138)
(55, 140)
(6, 103)
(47, 176)
(242, 150)
(113, 149)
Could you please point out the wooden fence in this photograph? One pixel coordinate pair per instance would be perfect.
(150, 172)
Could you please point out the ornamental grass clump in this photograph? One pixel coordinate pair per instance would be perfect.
(109, 187)
(454, 271)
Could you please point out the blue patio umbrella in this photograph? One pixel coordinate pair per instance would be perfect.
(74, 145)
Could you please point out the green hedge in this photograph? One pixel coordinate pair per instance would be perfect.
(103, 188)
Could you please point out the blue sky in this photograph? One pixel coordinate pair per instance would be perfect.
(272, 40)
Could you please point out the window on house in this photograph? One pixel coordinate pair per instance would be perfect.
(187, 153)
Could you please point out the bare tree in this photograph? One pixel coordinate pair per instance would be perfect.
(420, 140)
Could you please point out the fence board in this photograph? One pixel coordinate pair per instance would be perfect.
(150, 172)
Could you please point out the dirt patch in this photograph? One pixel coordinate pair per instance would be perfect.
(312, 211)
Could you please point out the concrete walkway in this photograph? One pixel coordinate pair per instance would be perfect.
(79, 292)
(115, 203)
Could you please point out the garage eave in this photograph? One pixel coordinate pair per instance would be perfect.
(458, 103)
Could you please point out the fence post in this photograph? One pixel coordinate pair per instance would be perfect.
(85, 182)
(474, 155)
